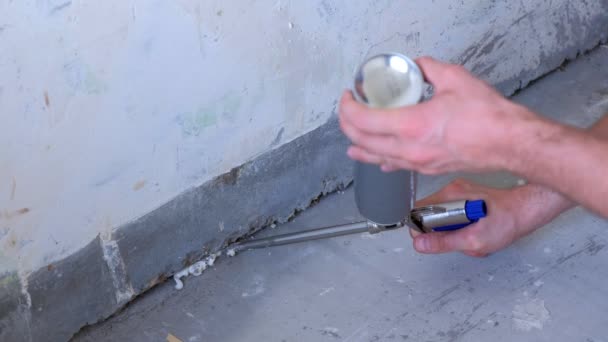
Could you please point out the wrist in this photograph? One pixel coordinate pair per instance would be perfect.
(525, 136)
(536, 206)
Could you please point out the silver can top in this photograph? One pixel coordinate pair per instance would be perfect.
(389, 80)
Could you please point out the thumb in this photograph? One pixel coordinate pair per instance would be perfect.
(441, 242)
(433, 70)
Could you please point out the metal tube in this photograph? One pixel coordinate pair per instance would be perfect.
(304, 235)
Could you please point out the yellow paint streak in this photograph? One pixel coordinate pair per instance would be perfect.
(137, 186)
(9, 215)
(171, 338)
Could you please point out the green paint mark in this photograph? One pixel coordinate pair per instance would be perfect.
(93, 85)
(194, 123)
(80, 77)
(205, 118)
(226, 108)
(231, 104)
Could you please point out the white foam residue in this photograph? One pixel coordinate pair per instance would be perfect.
(326, 291)
(179, 284)
(195, 269)
(369, 236)
(398, 250)
(533, 269)
(539, 283)
(530, 315)
(211, 260)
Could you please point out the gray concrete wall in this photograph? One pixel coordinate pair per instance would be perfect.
(139, 136)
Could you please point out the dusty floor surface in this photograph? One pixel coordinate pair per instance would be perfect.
(551, 286)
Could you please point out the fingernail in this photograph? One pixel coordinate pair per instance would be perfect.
(350, 152)
(422, 244)
(387, 168)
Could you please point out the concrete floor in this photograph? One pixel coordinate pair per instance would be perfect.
(551, 286)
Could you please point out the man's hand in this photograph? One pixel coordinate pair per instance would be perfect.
(468, 126)
(462, 128)
(512, 214)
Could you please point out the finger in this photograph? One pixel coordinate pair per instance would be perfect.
(414, 233)
(375, 121)
(352, 133)
(443, 242)
(378, 144)
(384, 145)
(455, 190)
(404, 120)
(476, 254)
(389, 167)
(362, 155)
(394, 164)
(387, 164)
(364, 140)
(391, 164)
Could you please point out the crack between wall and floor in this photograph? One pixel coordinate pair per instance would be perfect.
(196, 268)
(564, 63)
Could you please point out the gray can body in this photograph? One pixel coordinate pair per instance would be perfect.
(384, 198)
(386, 81)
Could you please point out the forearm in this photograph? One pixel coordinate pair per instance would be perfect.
(600, 128)
(571, 161)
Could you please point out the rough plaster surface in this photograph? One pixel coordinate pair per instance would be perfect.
(114, 116)
(549, 286)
